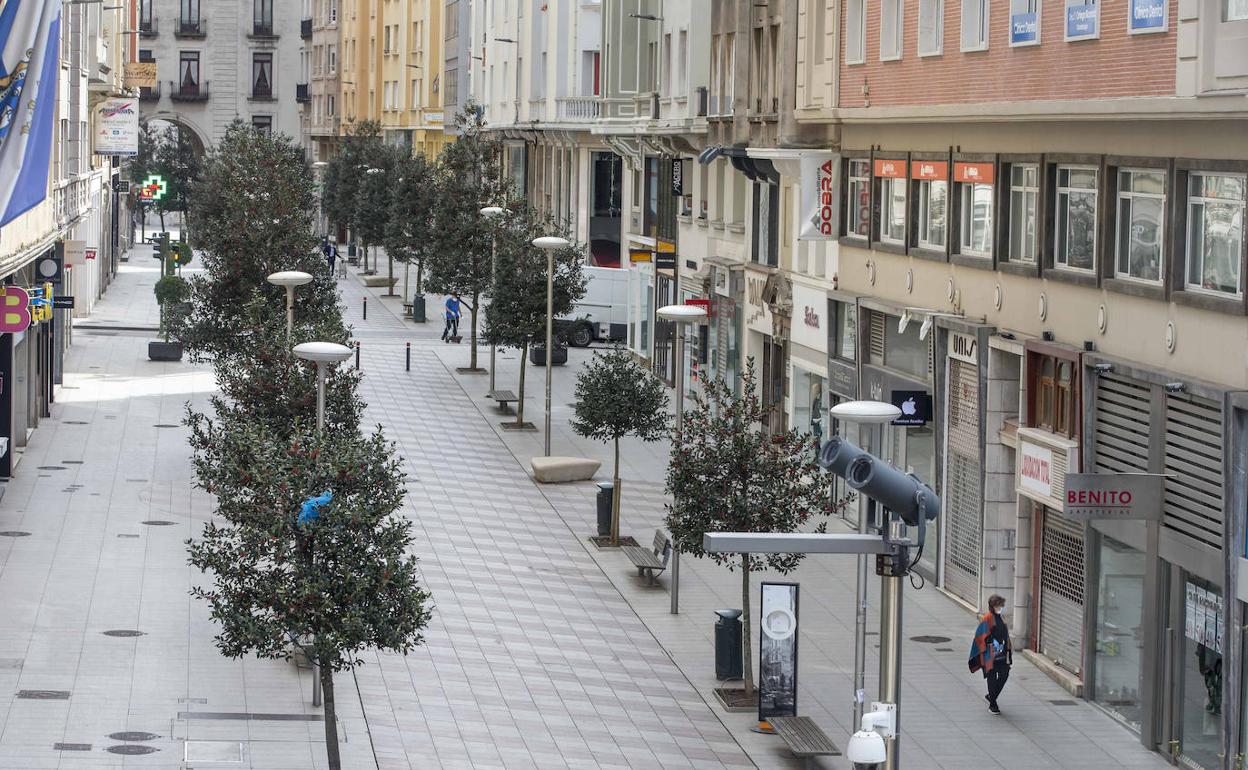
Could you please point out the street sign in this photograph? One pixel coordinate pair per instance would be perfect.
(63, 302)
(1113, 496)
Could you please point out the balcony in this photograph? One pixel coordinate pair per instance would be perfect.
(537, 109)
(579, 108)
(189, 92)
(263, 31)
(149, 94)
(190, 29)
(301, 93)
(149, 28)
(261, 93)
(305, 29)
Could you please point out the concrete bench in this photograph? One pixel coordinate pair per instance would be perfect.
(650, 561)
(377, 280)
(804, 738)
(503, 398)
(551, 470)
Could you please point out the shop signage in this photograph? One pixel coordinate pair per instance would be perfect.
(842, 378)
(1035, 469)
(63, 302)
(892, 169)
(75, 254)
(721, 282)
(777, 651)
(117, 127)
(140, 74)
(758, 315)
(665, 255)
(1203, 617)
(819, 210)
(1148, 15)
(153, 188)
(90, 253)
(810, 306)
(964, 347)
(929, 169)
(678, 178)
(1082, 20)
(915, 406)
(1024, 28)
(1113, 496)
(973, 173)
(14, 310)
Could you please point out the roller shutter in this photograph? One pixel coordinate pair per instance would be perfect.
(1061, 591)
(964, 525)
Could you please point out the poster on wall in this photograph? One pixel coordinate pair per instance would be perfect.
(117, 127)
(1203, 617)
(777, 651)
(819, 174)
(1147, 16)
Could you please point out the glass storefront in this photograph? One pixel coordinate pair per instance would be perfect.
(1200, 692)
(810, 406)
(1119, 640)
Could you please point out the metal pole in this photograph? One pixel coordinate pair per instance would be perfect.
(890, 643)
(290, 310)
(366, 308)
(680, 411)
(320, 425)
(493, 258)
(860, 621)
(550, 324)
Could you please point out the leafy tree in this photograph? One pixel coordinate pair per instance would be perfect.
(179, 165)
(516, 315)
(617, 397)
(171, 291)
(141, 165)
(344, 174)
(409, 229)
(372, 215)
(470, 177)
(727, 476)
(334, 586)
(252, 216)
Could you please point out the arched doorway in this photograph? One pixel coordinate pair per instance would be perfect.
(172, 147)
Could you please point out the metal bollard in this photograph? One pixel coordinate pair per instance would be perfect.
(366, 308)
(407, 364)
(357, 354)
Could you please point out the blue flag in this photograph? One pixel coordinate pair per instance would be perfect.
(30, 34)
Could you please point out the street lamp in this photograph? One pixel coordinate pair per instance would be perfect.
(684, 316)
(321, 354)
(492, 213)
(290, 279)
(550, 244)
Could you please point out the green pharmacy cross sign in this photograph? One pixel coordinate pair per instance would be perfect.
(154, 188)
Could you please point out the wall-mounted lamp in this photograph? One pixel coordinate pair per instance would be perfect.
(1103, 368)
(645, 16)
(1175, 387)
(904, 322)
(925, 328)
(503, 40)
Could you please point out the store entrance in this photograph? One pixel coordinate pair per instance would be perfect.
(1193, 719)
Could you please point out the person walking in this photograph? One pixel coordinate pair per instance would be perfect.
(331, 256)
(991, 651)
(451, 332)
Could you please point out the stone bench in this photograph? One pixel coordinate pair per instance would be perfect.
(377, 280)
(552, 470)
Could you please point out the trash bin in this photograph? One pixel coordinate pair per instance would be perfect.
(418, 309)
(728, 664)
(606, 492)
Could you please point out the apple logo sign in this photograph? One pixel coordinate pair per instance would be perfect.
(909, 408)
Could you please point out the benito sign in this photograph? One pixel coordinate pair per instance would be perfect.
(1113, 496)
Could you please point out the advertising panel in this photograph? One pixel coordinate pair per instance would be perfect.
(117, 127)
(777, 651)
(1024, 28)
(819, 210)
(1083, 20)
(1147, 16)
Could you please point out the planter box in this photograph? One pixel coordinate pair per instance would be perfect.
(164, 351)
(537, 355)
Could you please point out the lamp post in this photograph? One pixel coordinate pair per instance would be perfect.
(492, 213)
(863, 413)
(290, 279)
(684, 316)
(550, 244)
(321, 354)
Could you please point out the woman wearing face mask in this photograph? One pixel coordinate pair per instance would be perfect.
(991, 651)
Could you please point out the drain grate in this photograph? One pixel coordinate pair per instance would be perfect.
(71, 462)
(11, 663)
(76, 422)
(52, 468)
(14, 533)
(250, 717)
(164, 425)
(1063, 702)
(131, 736)
(929, 639)
(43, 694)
(944, 649)
(130, 749)
(124, 633)
(158, 523)
(71, 747)
(126, 535)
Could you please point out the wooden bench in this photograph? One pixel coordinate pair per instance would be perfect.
(804, 738)
(650, 562)
(503, 397)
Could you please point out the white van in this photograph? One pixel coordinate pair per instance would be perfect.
(602, 314)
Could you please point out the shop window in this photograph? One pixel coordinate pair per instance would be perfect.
(1140, 227)
(844, 342)
(1119, 649)
(975, 201)
(931, 26)
(904, 351)
(858, 199)
(1215, 233)
(891, 29)
(1075, 218)
(855, 31)
(1024, 222)
(891, 191)
(974, 25)
(933, 200)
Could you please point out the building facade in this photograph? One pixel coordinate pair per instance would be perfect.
(321, 60)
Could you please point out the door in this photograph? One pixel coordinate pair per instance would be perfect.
(1193, 713)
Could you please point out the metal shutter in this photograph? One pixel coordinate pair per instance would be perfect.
(1192, 503)
(1123, 413)
(1061, 591)
(964, 527)
(876, 338)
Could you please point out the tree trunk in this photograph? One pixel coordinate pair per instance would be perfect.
(331, 719)
(615, 497)
(161, 212)
(524, 355)
(407, 269)
(472, 330)
(389, 273)
(746, 653)
(364, 256)
(420, 274)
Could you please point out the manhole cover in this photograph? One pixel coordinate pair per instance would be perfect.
(14, 533)
(164, 425)
(124, 632)
(133, 736)
(77, 422)
(71, 747)
(43, 694)
(929, 639)
(158, 523)
(52, 467)
(131, 749)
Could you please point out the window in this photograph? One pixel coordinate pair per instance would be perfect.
(263, 17)
(891, 26)
(904, 351)
(1140, 224)
(262, 75)
(333, 11)
(1215, 232)
(190, 14)
(932, 187)
(974, 25)
(450, 94)
(1024, 22)
(682, 62)
(931, 26)
(386, 43)
(145, 15)
(451, 20)
(1044, 400)
(855, 32)
(333, 59)
(1053, 405)
(1235, 10)
(188, 72)
(1024, 195)
(975, 203)
(858, 199)
(1083, 19)
(1075, 218)
(263, 124)
(330, 106)
(845, 331)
